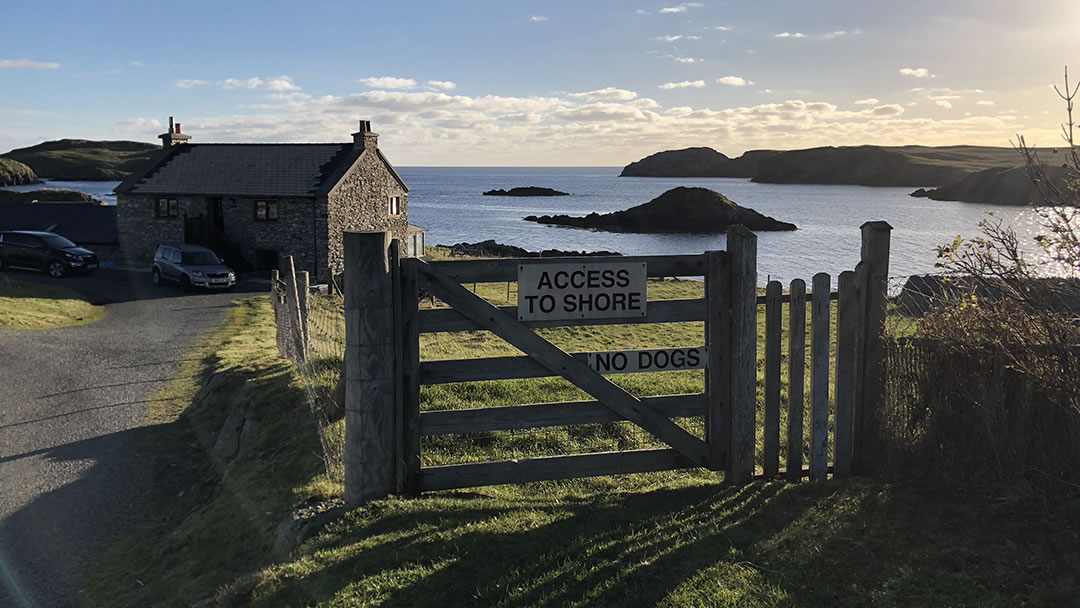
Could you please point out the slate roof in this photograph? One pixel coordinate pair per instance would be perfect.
(278, 170)
(83, 223)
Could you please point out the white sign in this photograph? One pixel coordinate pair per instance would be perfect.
(581, 291)
(654, 360)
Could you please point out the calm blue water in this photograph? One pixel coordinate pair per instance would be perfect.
(102, 191)
(448, 202)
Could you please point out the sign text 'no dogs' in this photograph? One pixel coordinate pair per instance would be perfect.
(581, 291)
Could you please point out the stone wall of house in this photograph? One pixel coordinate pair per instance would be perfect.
(296, 231)
(360, 203)
(140, 232)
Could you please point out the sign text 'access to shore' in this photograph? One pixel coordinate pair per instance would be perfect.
(581, 291)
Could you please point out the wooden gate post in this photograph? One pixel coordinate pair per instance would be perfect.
(874, 266)
(296, 345)
(742, 260)
(303, 291)
(370, 470)
(718, 370)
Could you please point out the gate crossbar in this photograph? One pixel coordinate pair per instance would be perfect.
(563, 364)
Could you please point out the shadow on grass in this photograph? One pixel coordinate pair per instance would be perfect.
(859, 543)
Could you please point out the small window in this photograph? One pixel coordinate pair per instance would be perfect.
(266, 211)
(395, 205)
(167, 207)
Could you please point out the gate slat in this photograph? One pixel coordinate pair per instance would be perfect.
(771, 442)
(410, 355)
(539, 415)
(577, 372)
(796, 378)
(659, 311)
(846, 324)
(521, 470)
(819, 378)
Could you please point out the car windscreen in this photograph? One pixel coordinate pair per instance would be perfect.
(57, 242)
(199, 258)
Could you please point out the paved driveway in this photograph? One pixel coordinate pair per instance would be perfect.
(71, 401)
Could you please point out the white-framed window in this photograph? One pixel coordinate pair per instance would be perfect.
(394, 205)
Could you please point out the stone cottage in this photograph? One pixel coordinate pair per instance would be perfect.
(254, 203)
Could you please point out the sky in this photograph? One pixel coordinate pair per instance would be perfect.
(553, 83)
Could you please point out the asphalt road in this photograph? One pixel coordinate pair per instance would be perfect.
(72, 467)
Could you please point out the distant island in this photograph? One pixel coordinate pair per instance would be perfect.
(491, 249)
(83, 160)
(14, 173)
(526, 191)
(679, 210)
(967, 173)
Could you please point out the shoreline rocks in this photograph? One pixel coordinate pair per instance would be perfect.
(491, 249)
(526, 191)
(680, 210)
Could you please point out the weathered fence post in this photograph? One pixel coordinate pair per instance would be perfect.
(819, 376)
(276, 305)
(296, 344)
(870, 351)
(370, 470)
(303, 290)
(410, 376)
(773, 327)
(847, 318)
(718, 371)
(796, 378)
(742, 260)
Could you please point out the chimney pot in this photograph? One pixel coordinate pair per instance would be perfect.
(171, 125)
(177, 127)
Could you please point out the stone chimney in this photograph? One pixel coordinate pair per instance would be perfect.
(174, 136)
(364, 139)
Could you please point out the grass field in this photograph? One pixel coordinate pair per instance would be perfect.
(34, 306)
(669, 539)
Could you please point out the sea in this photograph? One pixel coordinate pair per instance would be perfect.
(448, 202)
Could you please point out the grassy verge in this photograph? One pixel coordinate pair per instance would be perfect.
(37, 306)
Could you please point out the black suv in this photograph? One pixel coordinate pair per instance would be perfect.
(44, 251)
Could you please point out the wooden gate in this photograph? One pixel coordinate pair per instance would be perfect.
(385, 422)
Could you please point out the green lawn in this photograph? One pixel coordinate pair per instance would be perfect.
(27, 305)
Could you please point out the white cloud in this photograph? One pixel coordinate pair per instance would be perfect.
(891, 109)
(943, 103)
(789, 35)
(942, 97)
(734, 81)
(187, 83)
(674, 37)
(445, 85)
(697, 84)
(27, 64)
(605, 94)
(869, 101)
(388, 82)
(984, 102)
(681, 8)
(139, 124)
(136, 64)
(840, 33)
(687, 59)
(722, 28)
(273, 83)
(642, 11)
(916, 72)
(538, 18)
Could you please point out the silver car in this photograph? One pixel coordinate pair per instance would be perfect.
(191, 266)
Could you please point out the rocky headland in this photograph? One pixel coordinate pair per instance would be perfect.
(491, 249)
(526, 191)
(14, 173)
(47, 195)
(996, 186)
(696, 162)
(679, 210)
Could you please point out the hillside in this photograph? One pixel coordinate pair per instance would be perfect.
(80, 159)
(14, 173)
(679, 210)
(855, 165)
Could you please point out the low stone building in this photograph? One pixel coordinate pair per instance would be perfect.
(254, 203)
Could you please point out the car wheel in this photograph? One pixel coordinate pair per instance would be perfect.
(56, 269)
(155, 276)
(185, 282)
